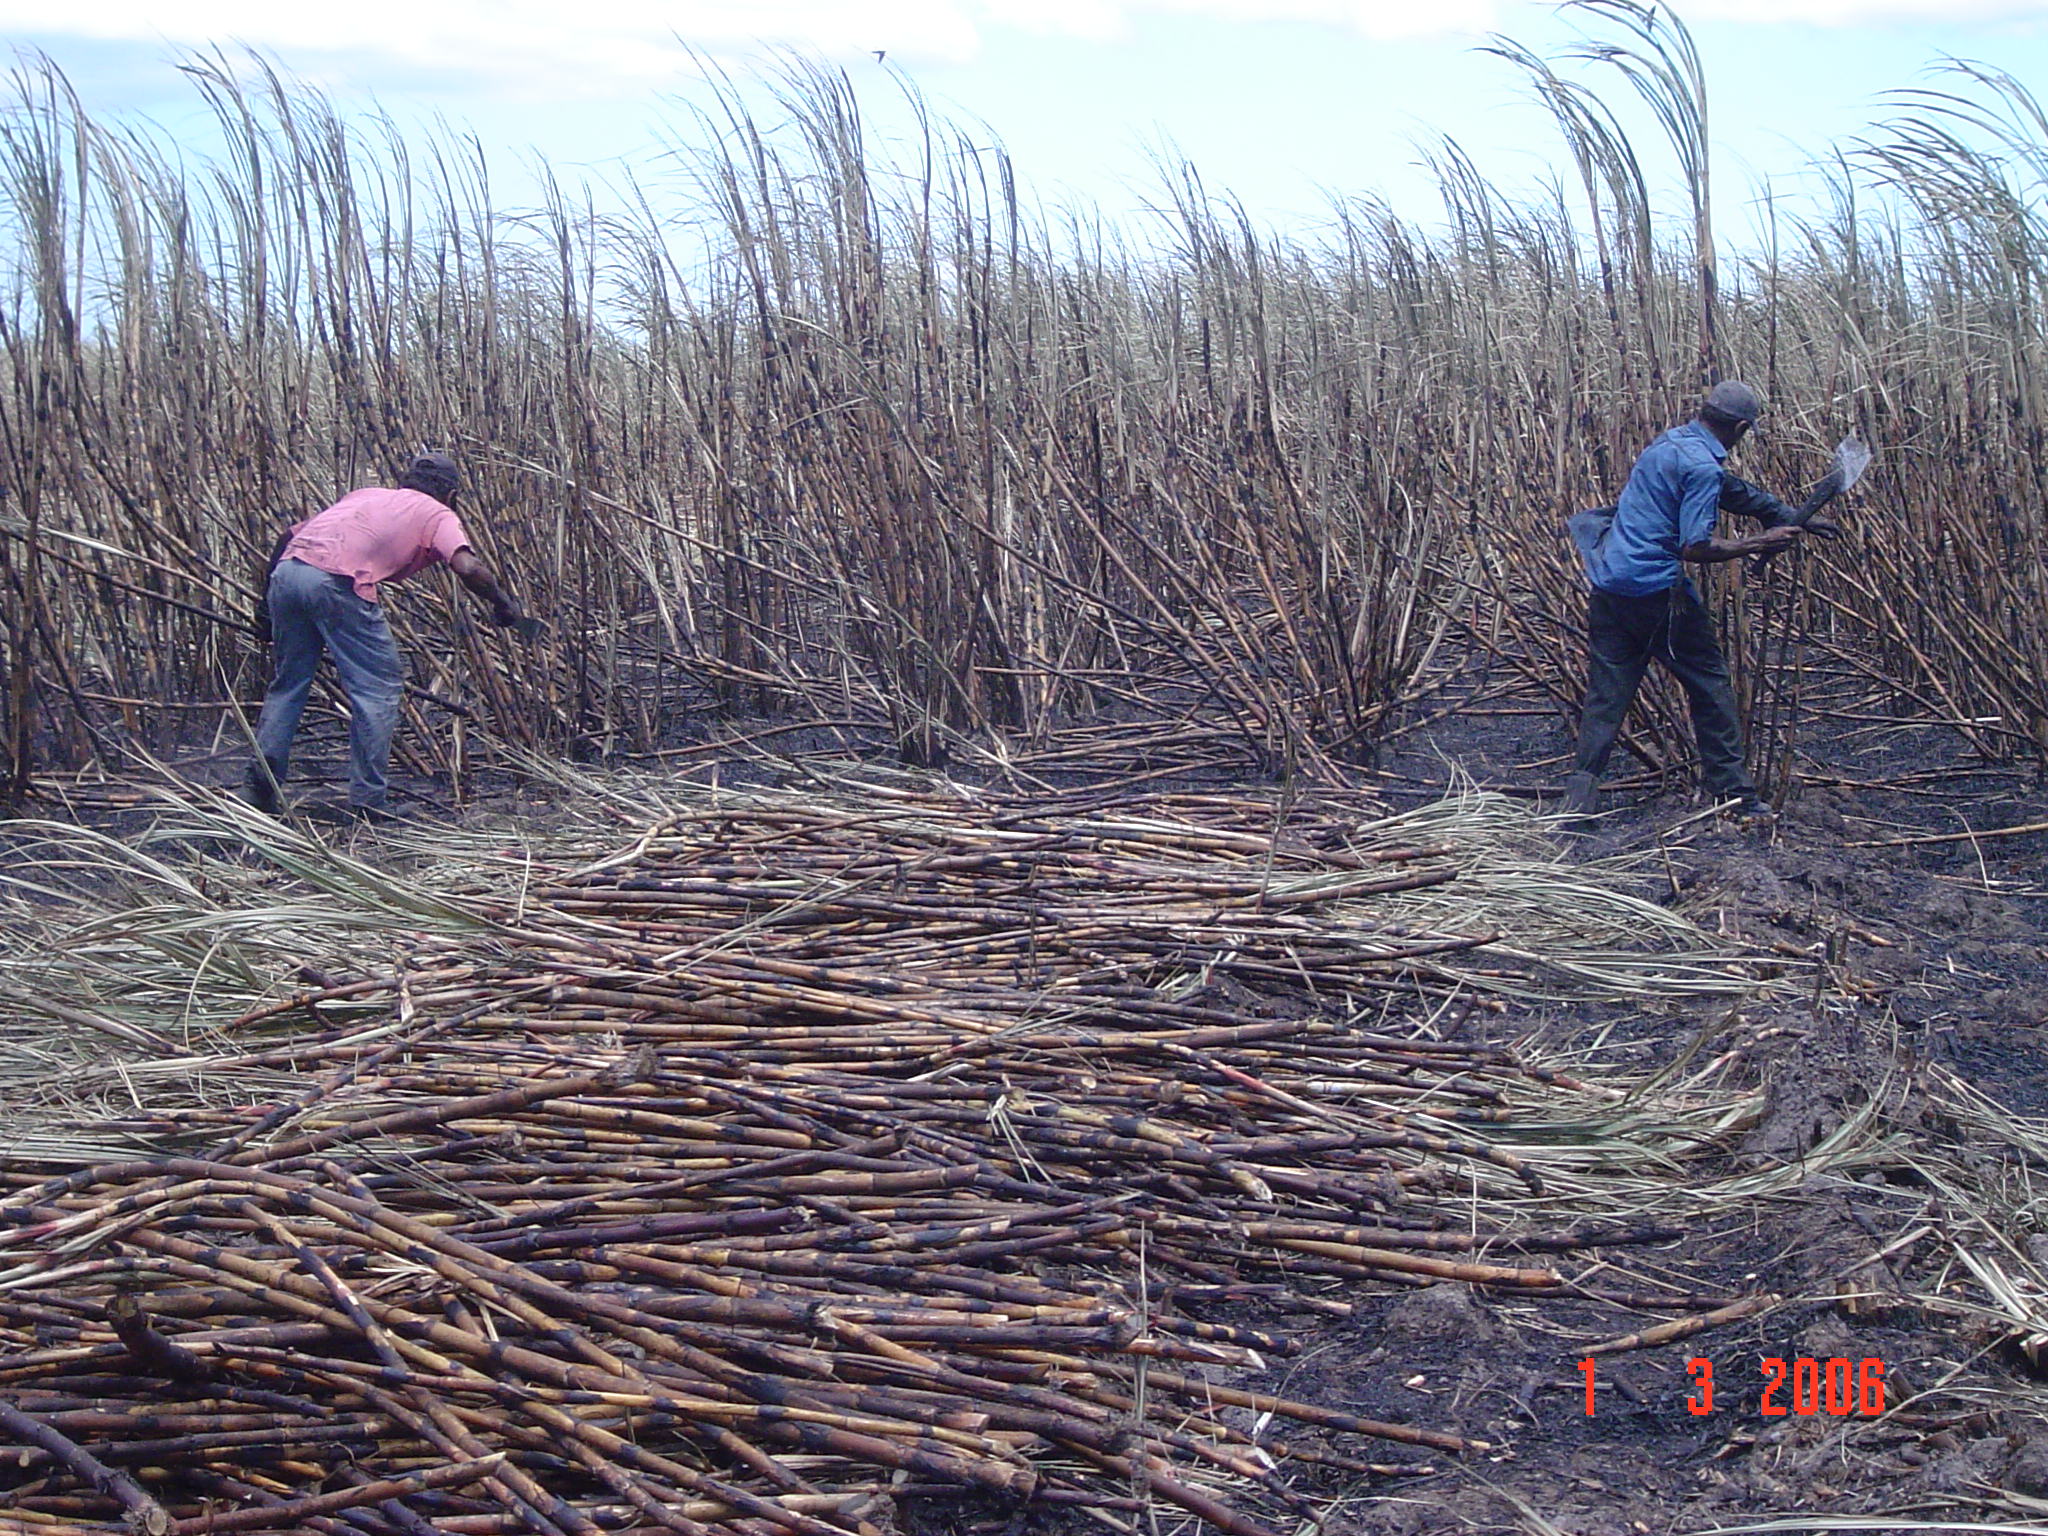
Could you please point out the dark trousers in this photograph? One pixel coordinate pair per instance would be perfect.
(1623, 635)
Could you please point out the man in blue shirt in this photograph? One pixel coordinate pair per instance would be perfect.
(1644, 607)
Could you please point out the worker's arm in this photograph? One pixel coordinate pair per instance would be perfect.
(1714, 551)
(476, 576)
(1745, 500)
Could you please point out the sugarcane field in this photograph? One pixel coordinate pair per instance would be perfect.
(805, 850)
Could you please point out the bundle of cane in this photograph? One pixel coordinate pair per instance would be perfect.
(772, 1154)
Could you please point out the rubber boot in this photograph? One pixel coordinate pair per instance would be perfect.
(1582, 795)
(262, 789)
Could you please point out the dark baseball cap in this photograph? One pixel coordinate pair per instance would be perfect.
(1732, 401)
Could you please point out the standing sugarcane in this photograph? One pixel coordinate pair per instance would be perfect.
(1644, 607)
(1776, 705)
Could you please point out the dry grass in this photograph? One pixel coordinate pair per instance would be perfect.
(130, 958)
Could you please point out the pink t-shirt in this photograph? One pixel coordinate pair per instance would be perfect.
(377, 534)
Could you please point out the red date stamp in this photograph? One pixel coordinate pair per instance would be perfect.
(1806, 1386)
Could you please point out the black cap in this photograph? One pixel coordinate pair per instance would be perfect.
(1732, 402)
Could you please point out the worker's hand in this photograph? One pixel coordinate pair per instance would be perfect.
(1821, 528)
(1771, 540)
(509, 615)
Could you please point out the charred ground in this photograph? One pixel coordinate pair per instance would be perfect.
(1936, 962)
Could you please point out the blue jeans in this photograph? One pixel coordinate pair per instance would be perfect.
(311, 611)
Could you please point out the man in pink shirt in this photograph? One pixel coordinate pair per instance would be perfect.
(322, 596)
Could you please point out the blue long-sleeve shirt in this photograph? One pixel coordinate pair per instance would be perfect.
(1672, 501)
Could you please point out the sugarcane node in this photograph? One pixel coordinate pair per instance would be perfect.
(635, 1066)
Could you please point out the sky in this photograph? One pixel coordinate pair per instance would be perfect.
(1281, 103)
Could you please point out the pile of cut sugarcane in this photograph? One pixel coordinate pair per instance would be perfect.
(770, 1156)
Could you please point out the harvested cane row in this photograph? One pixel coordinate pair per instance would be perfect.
(792, 1157)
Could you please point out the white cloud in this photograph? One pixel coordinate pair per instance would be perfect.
(1090, 20)
(598, 45)
(1411, 18)
(601, 47)
(1867, 13)
(1373, 18)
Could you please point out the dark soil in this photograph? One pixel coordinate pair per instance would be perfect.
(1939, 955)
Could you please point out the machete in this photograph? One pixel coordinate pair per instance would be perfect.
(1852, 457)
